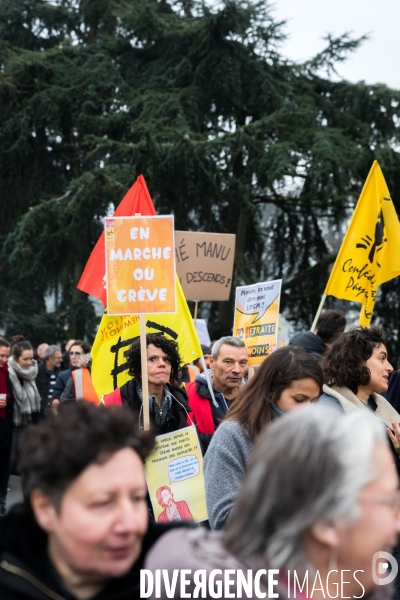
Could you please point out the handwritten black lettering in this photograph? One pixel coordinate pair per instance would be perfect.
(213, 250)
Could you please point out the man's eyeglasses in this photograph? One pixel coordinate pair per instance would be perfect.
(75, 353)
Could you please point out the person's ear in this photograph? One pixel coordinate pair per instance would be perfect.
(211, 361)
(326, 534)
(44, 510)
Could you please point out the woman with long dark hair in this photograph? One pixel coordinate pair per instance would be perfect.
(287, 379)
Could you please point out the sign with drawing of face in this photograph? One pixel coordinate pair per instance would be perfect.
(175, 479)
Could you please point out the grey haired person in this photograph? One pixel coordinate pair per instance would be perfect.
(320, 506)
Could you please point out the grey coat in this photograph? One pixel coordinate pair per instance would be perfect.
(224, 467)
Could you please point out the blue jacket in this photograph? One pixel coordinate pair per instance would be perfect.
(61, 383)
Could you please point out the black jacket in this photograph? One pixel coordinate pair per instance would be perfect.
(6, 425)
(177, 416)
(393, 392)
(43, 383)
(26, 572)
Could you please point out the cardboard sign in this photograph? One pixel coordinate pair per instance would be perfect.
(204, 263)
(256, 318)
(175, 479)
(140, 265)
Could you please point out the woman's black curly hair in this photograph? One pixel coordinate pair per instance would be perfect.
(168, 346)
(344, 362)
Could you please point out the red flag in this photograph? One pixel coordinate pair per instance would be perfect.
(136, 200)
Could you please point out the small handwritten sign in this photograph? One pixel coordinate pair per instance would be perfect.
(204, 264)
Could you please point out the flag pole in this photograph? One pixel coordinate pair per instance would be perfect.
(196, 305)
(143, 360)
(321, 304)
(145, 381)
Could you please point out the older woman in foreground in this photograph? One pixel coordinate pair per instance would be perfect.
(83, 530)
(319, 500)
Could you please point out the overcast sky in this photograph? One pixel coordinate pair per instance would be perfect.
(377, 61)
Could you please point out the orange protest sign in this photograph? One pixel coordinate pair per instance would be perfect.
(140, 261)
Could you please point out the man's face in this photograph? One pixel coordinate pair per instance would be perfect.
(4, 354)
(207, 360)
(75, 354)
(167, 497)
(41, 349)
(229, 367)
(158, 365)
(54, 361)
(98, 531)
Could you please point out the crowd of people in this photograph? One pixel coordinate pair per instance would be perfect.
(309, 491)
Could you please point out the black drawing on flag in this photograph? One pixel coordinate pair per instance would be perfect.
(376, 245)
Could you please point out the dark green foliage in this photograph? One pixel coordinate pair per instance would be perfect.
(229, 136)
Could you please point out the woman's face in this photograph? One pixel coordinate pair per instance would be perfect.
(98, 531)
(380, 369)
(299, 393)
(158, 366)
(378, 524)
(25, 359)
(75, 354)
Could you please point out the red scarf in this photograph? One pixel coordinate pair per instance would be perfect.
(4, 388)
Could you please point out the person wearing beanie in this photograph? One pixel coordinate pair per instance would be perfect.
(330, 326)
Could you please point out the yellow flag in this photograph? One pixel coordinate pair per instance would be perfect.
(370, 252)
(116, 334)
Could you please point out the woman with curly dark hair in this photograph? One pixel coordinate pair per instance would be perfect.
(167, 401)
(356, 371)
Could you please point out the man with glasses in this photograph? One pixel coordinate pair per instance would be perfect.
(78, 349)
(167, 401)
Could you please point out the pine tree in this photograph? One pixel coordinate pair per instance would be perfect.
(229, 135)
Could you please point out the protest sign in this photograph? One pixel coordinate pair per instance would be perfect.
(202, 331)
(204, 263)
(256, 318)
(283, 332)
(140, 265)
(175, 479)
